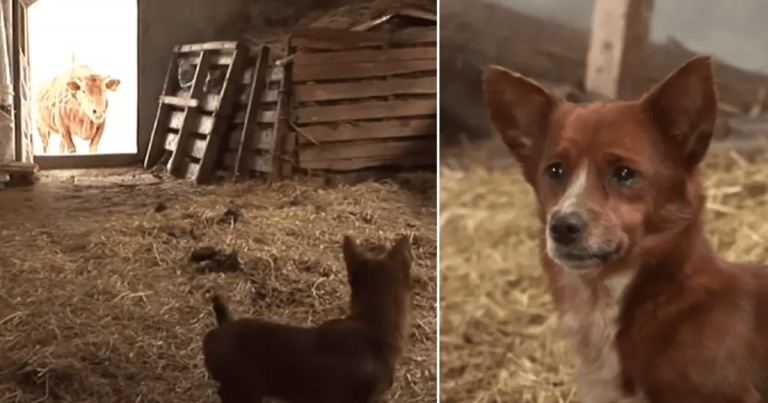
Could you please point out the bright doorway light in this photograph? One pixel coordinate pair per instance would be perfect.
(102, 35)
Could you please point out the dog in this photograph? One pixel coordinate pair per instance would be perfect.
(344, 360)
(650, 311)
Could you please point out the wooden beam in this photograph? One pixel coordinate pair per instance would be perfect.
(617, 47)
(16, 77)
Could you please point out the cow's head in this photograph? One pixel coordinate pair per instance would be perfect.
(91, 93)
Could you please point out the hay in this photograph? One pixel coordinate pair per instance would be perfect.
(99, 303)
(498, 330)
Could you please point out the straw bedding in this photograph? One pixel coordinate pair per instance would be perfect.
(100, 303)
(498, 334)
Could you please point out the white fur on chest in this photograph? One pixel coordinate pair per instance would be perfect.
(589, 323)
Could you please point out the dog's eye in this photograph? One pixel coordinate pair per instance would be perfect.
(623, 175)
(555, 171)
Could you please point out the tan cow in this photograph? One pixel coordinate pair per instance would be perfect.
(74, 103)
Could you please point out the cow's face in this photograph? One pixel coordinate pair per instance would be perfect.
(91, 94)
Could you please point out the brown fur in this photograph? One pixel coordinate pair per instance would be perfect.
(350, 359)
(74, 103)
(661, 318)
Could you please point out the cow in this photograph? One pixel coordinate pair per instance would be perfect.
(74, 103)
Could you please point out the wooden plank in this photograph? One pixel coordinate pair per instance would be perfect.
(179, 155)
(367, 148)
(279, 129)
(210, 101)
(19, 167)
(264, 140)
(199, 47)
(258, 85)
(351, 164)
(364, 56)
(617, 49)
(156, 140)
(218, 59)
(338, 39)
(198, 123)
(258, 163)
(213, 141)
(370, 110)
(285, 139)
(195, 145)
(274, 73)
(367, 130)
(355, 90)
(17, 30)
(26, 152)
(190, 169)
(360, 89)
(407, 12)
(289, 148)
(261, 117)
(361, 70)
(180, 101)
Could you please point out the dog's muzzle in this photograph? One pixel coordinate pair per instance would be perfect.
(567, 234)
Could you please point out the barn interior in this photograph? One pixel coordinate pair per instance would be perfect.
(109, 257)
(499, 336)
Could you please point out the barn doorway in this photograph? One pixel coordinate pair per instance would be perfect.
(96, 42)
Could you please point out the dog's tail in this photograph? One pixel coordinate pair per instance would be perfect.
(220, 310)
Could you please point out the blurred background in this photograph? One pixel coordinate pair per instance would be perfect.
(549, 41)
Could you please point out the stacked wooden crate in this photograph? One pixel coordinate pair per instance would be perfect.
(338, 100)
(364, 99)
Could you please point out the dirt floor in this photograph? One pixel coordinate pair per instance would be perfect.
(498, 330)
(99, 301)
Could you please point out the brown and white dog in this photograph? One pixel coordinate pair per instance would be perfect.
(650, 311)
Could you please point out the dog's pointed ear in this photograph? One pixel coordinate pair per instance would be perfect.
(401, 252)
(684, 108)
(521, 111)
(351, 253)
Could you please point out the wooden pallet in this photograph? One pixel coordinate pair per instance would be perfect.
(364, 99)
(190, 124)
(258, 128)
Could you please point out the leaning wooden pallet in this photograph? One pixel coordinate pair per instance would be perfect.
(192, 116)
(258, 128)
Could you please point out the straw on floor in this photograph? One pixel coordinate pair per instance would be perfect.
(100, 303)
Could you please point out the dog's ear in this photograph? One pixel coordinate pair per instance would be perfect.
(401, 253)
(684, 108)
(351, 254)
(520, 111)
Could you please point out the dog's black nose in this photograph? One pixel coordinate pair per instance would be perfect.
(566, 228)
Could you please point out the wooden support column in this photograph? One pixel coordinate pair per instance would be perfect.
(16, 76)
(618, 43)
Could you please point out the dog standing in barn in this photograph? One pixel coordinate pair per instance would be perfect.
(346, 360)
(650, 311)
(74, 103)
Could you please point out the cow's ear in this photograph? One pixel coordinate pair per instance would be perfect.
(112, 84)
(73, 85)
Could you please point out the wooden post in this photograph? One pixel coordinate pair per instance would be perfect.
(16, 76)
(617, 48)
